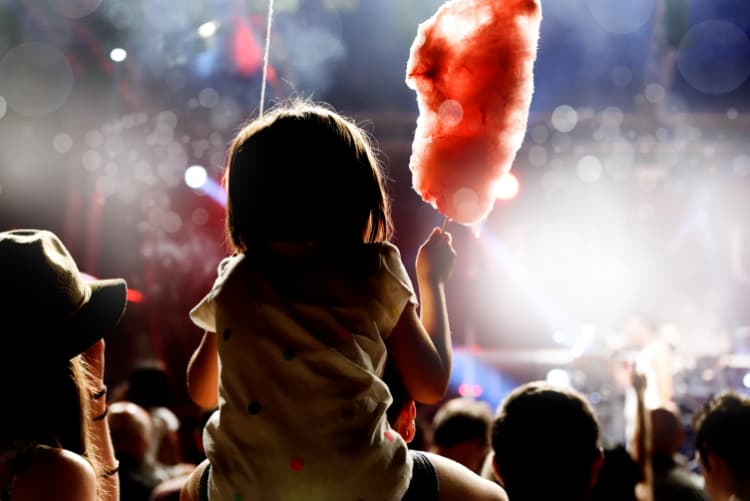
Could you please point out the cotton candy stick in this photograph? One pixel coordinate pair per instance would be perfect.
(471, 65)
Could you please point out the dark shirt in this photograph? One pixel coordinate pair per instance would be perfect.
(673, 482)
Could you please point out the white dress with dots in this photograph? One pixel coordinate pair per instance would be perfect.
(301, 415)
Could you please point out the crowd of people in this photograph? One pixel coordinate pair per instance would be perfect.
(316, 353)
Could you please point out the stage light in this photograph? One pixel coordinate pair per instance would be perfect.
(746, 380)
(118, 55)
(507, 187)
(207, 30)
(195, 176)
(558, 377)
(470, 390)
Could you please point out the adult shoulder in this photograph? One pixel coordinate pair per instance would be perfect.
(56, 474)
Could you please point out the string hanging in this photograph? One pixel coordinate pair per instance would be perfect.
(265, 58)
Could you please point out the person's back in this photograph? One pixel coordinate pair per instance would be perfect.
(546, 444)
(672, 481)
(303, 314)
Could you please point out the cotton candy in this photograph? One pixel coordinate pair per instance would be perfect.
(471, 65)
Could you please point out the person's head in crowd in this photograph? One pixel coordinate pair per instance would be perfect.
(50, 341)
(130, 428)
(148, 385)
(546, 444)
(461, 432)
(618, 476)
(723, 443)
(667, 432)
(402, 413)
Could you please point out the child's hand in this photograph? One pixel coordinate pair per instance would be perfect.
(436, 258)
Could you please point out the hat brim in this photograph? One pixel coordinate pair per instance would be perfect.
(98, 316)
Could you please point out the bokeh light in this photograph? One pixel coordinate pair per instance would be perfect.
(118, 55)
(62, 142)
(35, 79)
(714, 57)
(564, 118)
(507, 187)
(208, 29)
(195, 176)
(619, 17)
(558, 377)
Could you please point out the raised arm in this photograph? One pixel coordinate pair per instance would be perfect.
(101, 441)
(421, 345)
(203, 373)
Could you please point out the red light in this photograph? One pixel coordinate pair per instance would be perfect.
(507, 187)
(470, 390)
(248, 54)
(134, 296)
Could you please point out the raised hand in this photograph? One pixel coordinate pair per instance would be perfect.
(436, 258)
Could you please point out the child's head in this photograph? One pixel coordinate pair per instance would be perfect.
(304, 173)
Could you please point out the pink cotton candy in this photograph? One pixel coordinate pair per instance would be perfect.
(472, 65)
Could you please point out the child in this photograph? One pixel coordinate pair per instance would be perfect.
(303, 316)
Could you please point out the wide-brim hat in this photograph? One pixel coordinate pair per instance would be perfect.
(48, 309)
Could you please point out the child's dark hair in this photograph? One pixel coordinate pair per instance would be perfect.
(301, 172)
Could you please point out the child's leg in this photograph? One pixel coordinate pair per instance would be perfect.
(190, 491)
(458, 483)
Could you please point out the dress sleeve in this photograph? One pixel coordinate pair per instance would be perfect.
(396, 286)
(204, 313)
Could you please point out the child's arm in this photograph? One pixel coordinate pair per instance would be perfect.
(203, 373)
(421, 346)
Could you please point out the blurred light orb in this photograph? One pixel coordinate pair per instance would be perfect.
(3, 107)
(507, 187)
(450, 113)
(612, 116)
(655, 93)
(714, 57)
(622, 75)
(619, 17)
(195, 176)
(207, 30)
(540, 134)
(732, 113)
(564, 118)
(558, 377)
(91, 160)
(35, 79)
(118, 54)
(166, 119)
(208, 97)
(73, 9)
(589, 169)
(746, 380)
(199, 217)
(171, 222)
(538, 156)
(62, 143)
